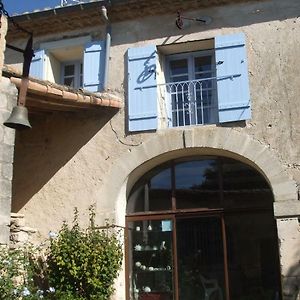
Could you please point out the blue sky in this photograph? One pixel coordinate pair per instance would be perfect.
(20, 6)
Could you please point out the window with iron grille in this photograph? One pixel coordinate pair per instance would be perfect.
(185, 85)
(192, 88)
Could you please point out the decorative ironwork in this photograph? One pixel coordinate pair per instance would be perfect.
(191, 102)
(180, 18)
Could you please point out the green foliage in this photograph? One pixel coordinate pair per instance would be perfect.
(77, 265)
(17, 273)
(83, 264)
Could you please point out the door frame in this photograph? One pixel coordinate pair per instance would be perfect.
(183, 214)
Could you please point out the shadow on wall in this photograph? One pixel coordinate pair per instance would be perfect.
(291, 282)
(53, 140)
(235, 15)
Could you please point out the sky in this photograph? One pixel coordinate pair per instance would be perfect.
(20, 6)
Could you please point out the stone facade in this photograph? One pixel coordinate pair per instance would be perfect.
(19, 233)
(81, 159)
(8, 95)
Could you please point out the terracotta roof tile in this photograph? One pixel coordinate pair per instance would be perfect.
(41, 92)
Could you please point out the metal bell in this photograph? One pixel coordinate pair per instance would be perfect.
(18, 118)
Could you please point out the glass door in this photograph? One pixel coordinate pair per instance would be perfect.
(200, 253)
(253, 262)
(151, 259)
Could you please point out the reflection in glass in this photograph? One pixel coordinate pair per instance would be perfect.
(203, 67)
(179, 68)
(153, 192)
(204, 191)
(197, 184)
(244, 186)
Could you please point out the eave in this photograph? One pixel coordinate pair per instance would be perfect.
(47, 96)
(63, 19)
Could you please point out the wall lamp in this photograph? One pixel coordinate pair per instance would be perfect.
(179, 20)
(19, 116)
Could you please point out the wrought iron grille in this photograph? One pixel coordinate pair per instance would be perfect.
(192, 102)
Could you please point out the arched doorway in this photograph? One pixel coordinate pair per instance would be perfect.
(202, 228)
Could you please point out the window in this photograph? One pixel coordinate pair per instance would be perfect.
(198, 87)
(202, 228)
(77, 62)
(192, 88)
(72, 74)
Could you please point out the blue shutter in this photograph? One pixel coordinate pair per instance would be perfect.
(93, 66)
(142, 88)
(37, 67)
(232, 78)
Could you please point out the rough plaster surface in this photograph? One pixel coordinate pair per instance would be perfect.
(289, 241)
(69, 160)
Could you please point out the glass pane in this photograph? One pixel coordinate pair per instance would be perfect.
(253, 256)
(197, 184)
(179, 78)
(160, 191)
(151, 260)
(69, 81)
(200, 258)
(179, 67)
(244, 186)
(69, 70)
(203, 64)
(152, 193)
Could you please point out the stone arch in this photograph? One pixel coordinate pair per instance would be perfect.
(174, 143)
(228, 142)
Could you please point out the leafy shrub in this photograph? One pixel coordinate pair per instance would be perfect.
(83, 264)
(17, 273)
(77, 265)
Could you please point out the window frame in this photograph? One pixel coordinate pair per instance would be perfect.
(191, 67)
(78, 73)
(67, 43)
(148, 108)
(221, 212)
(190, 57)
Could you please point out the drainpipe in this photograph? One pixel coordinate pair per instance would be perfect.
(107, 46)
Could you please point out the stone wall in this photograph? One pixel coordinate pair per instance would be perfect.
(20, 234)
(78, 160)
(73, 157)
(8, 97)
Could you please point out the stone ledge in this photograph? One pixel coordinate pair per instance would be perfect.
(19, 233)
(288, 208)
(17, 215)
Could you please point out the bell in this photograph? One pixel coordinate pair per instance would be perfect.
(18, 118)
